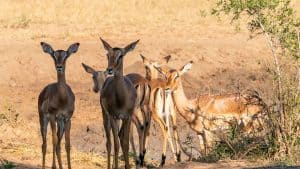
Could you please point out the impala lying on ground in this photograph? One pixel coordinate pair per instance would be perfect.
(162, 108)
(207, 115)
(140, 118)
(117, 99)
(56, 104)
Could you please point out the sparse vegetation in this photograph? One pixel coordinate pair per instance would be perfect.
(277, 22)
(7, 164)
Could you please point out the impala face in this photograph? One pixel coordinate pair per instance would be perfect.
(149, 65)
(97, 76)
(173, 76)
(115, 56)
(60, 56)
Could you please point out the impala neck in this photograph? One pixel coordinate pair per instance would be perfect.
(119, 72)
(187, 108)
(61, 81)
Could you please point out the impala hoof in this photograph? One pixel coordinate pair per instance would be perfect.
(163, 160)
(178, 156)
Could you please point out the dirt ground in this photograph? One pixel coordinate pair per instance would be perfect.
(224, 61)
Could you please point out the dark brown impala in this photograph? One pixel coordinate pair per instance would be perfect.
(56, 104)
(117, 99)
(141, 116)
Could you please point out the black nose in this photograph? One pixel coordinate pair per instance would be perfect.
(59, 68)
(110, 71)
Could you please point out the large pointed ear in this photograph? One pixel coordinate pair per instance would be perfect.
(167, 58)
(73, 48)
(105, 44)
(145, 60)
(162, 70)
(130, 47)
(186, 67)
(88, 69)
(47, 48)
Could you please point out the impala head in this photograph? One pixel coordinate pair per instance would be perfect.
(98, 77)
(59, 56)
(173, 76)
(115, 56)
(151, 65)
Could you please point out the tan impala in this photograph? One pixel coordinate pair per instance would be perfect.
(207, 115)
(162, 108)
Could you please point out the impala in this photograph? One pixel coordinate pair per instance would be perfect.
(162, 108)
(56, 104)
(140, 118)
(117, 99)
(207, 115)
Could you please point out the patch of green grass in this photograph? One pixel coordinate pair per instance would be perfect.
(7, 164)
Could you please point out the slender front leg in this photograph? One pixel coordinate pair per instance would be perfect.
(124, 139)
(107, 127)
(44, 125)
(60, 133)
(115, 130)
(164, 131)
(170, 140)
(54, 140)
(67, 139)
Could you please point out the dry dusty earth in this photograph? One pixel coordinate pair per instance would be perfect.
(224, 61)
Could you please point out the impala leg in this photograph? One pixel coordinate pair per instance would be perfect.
(138, 125)
(107, 127)
(169, 136)
(115, 130)
(164, 131)
(60, 133)
(132, 142)
(68, 144)
(124, 139)
(178, 152)
(147, 133)
(201, 142)
(44, 124)
(54, 140)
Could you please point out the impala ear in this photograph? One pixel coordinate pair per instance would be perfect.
(88, 69)
(167, 58)
(105, 44)
(161, 70)
(47, 48)
(130, 47)
(73, 48)
(186, 68)
(145, 60)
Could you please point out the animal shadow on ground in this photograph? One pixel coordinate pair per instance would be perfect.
(275, 167)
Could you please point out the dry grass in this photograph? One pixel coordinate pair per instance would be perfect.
(86, 18)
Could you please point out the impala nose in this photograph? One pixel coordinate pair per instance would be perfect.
(59, 68)
(109, 71)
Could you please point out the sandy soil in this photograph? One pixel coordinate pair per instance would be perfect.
(225, 61)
